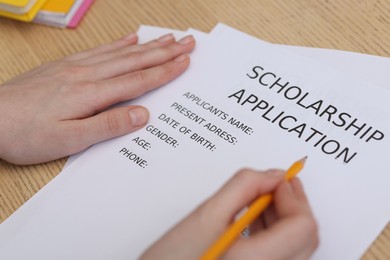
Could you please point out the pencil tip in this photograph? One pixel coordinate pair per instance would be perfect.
(303, 159)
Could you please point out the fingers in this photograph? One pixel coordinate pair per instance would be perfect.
(191, 237)
(269, 216)
(112, 123)
(299, 192)
(134, 61)
(127, 49)
(137, 83)
(295, 220)
(235, 195)
(150, 66)
(150, 55)
(292, 236)
(290, 200)
(130, 39)
(147, 70)
(243, 188)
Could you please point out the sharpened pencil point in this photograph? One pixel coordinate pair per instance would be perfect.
(303, 160)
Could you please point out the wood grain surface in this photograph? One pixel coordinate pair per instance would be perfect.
(353, 25)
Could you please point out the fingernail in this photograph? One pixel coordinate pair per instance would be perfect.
(138, 116)
(130, 37)
(186, 40)
(165, 38)
(181, 58)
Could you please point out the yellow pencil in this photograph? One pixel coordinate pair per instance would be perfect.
(255, 209)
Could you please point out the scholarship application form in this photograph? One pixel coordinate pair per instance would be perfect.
(243, 103)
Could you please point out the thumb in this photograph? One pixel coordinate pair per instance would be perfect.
(105, 125)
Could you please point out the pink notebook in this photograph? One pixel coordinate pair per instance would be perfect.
(80, 13)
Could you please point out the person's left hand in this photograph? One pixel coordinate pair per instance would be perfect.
(60, 107)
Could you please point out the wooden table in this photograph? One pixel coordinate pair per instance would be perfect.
(353, 25)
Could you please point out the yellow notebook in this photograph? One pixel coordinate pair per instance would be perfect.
(16, 3)
(26, 17)
(58, 6)
(17, 7)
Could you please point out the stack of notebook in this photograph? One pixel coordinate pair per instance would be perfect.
(59, 13)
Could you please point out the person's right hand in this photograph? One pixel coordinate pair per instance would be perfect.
(60, 108)
(286, 231)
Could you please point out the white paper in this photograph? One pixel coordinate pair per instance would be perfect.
(339, 192)
(110, 208)
(373, 69)
(33, 205)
